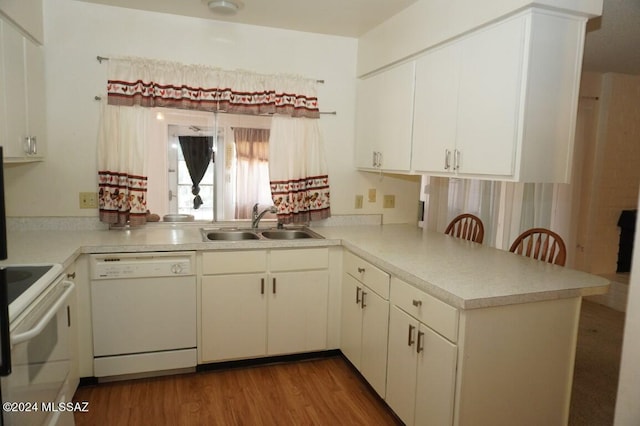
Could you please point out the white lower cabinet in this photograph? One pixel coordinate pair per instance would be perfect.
(261, 304)
(297, 318)
(421, 372)
(234, 312)
(365, 320)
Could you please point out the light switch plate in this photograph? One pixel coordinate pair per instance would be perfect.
(389, 202)
(88, 200)
(372, 195)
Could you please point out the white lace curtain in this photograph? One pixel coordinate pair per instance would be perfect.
(298, 170)
(122, 174)
(301, 192)
(152, 83)
(252, 170)
(506, 209)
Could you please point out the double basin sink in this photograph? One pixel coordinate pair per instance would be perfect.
(244, 234)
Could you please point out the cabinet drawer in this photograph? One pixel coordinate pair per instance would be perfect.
(299, 259)
(427, 309)
(374, 278)
(230, 262)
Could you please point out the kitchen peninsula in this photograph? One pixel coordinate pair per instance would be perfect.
(496, 332)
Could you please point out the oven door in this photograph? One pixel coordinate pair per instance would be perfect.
(40, 359)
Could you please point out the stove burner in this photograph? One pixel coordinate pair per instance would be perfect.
(20, 278)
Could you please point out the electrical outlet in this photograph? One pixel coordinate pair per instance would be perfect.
(389, 202)
(372, 195)
(88, 200)
(359, 201)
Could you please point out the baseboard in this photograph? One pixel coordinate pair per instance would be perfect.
(240, 363)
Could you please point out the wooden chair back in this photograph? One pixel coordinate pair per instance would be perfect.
(467, 227)
(541, 244)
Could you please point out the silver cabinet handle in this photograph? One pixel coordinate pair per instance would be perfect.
(374, 163)
(456, 159)
(379, 160)
(261, 285)
(274, 286)
(447, 158)
(410, 341)
(71, 276)
(360, 270)
(358, 290)
(419, 346)
(31, 145)
(362, 304)
(417, 303)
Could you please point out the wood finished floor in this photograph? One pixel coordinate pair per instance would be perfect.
(314, 392)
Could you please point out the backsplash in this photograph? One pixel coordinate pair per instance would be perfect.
(93, 224)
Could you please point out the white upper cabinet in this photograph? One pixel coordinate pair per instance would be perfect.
(384, 115)
(23, 96)
(501, 103)
(436, 109)
(27, 14)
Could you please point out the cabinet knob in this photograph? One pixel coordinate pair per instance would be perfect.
(417, 303)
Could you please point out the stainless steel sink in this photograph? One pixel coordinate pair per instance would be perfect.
(289, 234)
(229, 235)
(240, 234)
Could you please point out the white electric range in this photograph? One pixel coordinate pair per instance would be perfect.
(35, 335)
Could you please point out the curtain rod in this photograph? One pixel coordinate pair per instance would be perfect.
(99, 98)
(103, 58)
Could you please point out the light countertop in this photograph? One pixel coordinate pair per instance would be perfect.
(464, 274)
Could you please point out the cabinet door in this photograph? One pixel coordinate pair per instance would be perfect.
(234, 316)
(375, 327)
(435, 110)
(297, 306)
(74, 350)
(384, 114)
(402, 364)
(36, 121)
(489, 99)
(436, 378)
(351, 321)
(14, 92)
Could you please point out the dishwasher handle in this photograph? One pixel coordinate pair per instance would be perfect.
(37, 329)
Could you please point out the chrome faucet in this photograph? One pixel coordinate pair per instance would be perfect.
(255, 216)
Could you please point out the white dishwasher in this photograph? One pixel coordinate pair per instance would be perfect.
(143, 308)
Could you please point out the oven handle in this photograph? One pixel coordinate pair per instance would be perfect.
(30, 334)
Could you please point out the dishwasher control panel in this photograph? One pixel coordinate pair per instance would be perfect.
(141, 265)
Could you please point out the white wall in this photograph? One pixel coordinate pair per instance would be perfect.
(627, 407)
(609, 167)
(77, 32)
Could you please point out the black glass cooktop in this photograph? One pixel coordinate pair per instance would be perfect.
(20, 278)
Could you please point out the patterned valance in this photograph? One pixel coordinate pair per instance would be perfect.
(151, 83)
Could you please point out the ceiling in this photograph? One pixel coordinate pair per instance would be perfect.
(612, 41)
